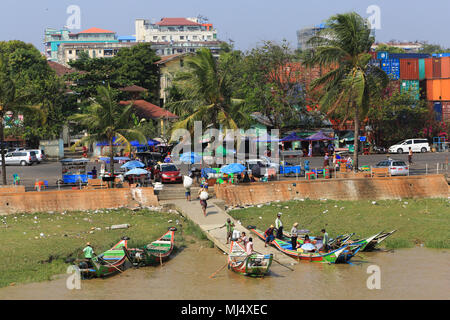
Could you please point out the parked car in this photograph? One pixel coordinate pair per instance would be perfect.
(22, 158)
(167, 172)
(417, 145)
(40, 155)
(267, 167)
(396, 167)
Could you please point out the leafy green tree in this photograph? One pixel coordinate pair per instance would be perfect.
(398, 117)
(433, 48)
(131, 66)
(106, 119)
(352, 82)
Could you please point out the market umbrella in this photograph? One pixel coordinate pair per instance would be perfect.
(233, 168)
(133, 164)
(318, 136)
(292, 137)
(136, 171)
(191, 157)
(152, 142)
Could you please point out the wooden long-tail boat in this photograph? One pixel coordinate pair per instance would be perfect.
(333, 243)
(369, 244)
(254, 265)
(340, 255)
(107, 263)
(154, 252)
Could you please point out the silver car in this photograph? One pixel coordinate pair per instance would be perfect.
(396, 167)
(22, 158)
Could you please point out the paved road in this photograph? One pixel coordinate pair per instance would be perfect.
(51, 171)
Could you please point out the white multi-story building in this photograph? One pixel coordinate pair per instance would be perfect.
(177, 35)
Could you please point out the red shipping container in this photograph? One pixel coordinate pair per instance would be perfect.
(428, 68)
(446, 110)
(445, 67)
(409, 69)
(437, 68)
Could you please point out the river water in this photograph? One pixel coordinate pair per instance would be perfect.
(417, 273)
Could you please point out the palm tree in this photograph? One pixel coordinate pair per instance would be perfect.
(106, 119)
(207, 92)
(351, 82)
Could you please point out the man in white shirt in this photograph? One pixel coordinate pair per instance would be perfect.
(279, 226)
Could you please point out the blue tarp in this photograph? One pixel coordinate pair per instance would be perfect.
(133, 164)
(205, 172)
(191, 157)
(136, 171)
(233, 168)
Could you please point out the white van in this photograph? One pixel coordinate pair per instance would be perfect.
(417, 145)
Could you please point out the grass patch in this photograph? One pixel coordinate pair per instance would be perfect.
(418, 221)
(36, 246)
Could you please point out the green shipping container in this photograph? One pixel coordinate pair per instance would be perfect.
(421, 69)
(411, 86)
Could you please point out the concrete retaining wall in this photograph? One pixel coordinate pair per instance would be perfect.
(12, 189)
(430, 186)
(75, 200)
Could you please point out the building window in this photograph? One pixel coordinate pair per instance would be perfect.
(70, 51)
(107, 52)
(181, 37)
(155, 38)
(163, 37)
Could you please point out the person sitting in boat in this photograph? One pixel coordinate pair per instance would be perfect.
(269, 235)
(88, 254)
(243, 238)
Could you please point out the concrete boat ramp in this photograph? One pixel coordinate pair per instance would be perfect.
(216, 217)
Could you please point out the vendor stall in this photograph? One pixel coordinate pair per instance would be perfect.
(75, 171)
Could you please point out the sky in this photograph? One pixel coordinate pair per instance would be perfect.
(246, 22)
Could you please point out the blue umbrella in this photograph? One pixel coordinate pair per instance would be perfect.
(133, 164)
(191, 157)
(233, 168)
(106, 159)
(136, 171)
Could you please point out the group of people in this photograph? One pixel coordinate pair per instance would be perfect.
(240, 237)
(294, 234)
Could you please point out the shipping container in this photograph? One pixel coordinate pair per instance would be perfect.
(411, 86)
(436, 68)
(409, 69)
(446, 110)
(429, 68)
(429, 89)
(440, 55)
(445, 67)
(391, 67)
(437, 108)
(445, 89)
(409, 55)
(382, 55)
(421, 69)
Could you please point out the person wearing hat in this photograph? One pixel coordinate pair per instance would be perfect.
(88, 253)
(294, 235)
(269, 235)
(230, 228)
(279, 226)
